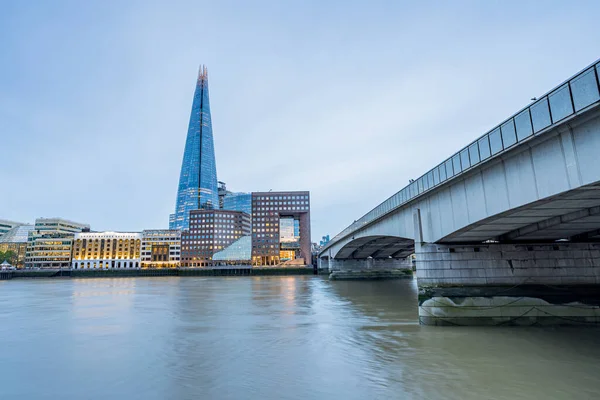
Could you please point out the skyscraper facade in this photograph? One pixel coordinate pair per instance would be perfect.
(198, 179)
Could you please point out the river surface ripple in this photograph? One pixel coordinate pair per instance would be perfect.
(270, 338)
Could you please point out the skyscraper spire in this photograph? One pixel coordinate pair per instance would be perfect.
(198, 179)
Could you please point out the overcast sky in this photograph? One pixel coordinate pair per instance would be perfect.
(346, 99)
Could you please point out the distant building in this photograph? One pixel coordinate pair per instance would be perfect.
(50, 242)
(161, 248)
(15, 240)
(222, 192)
(281, 228)
(324, 240)
(106, 250)
(198, 178)
(211, 231)
(6, 225)
(238, 202)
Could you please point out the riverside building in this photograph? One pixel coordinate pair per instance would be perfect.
(281, 228)
(106, 250)
(15, 240)
(6, 225)
(211, 231)
(50, 242)
(161, 248)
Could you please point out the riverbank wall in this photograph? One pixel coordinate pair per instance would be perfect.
(183, 272)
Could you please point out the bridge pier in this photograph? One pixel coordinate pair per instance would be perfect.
(509, 284)
(369, 268)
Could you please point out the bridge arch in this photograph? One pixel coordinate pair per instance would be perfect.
(375, 246)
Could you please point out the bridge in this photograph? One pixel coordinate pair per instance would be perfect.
(505, 231)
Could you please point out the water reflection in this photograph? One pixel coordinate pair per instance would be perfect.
(270, 338)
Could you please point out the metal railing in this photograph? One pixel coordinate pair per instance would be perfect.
(571, 97)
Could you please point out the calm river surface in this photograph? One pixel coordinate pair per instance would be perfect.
(270, 338)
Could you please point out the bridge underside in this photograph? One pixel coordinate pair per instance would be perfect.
(574, 215)
(377, 247)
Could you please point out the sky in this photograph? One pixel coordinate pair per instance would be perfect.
(346, 99)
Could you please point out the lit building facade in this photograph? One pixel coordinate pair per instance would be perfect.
(211, 231)
(49, 244)
(238, 202)
(6, 225)
(161, 248)
(15, 241)
(281, 228)
(106, 250)
(198, 179)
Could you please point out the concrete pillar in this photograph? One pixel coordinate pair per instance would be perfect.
(370, 268)
(509, 284)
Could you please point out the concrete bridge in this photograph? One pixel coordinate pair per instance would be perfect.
(506, 230)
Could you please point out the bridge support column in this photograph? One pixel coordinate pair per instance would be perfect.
(509, 284)
(370, 268)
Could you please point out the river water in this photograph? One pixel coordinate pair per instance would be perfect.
(270, 338)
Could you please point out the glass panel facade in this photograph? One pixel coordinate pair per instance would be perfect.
(484, 147)
(585, 89)
(436, 175)
(523, 124)
(540, 115)
(198, 179)
(495, 141)
(509, 137)
(443, 175)
(238, 202)
(474, 153)
(456, 164)
(449, 170)
(464, 159)
(560, 103)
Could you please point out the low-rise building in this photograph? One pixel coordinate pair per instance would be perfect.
(50, 242)
(6, 225)
(211, 231)
(15, 242)
(106, 250)
(161, 248)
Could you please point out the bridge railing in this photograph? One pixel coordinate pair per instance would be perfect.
(575, 95)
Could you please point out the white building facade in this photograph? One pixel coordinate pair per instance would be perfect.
(161, 248)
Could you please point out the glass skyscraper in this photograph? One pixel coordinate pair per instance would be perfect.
(198, 178)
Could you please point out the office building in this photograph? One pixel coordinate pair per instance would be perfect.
(50, 242)
(281, 228)
(106, 250)
(15, 241)
(161, 248)
(198, 179)
(211, 231)
(222, 192)
(238, 202)
(6, 225)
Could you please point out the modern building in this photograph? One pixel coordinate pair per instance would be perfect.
(161, 248)
(281, 228)
(238, 202)
(198, 179)
(15, 241)
(211, 231)
(106, 250)
(324, 240)
(50, 242)
(237, 253)
(6, 225)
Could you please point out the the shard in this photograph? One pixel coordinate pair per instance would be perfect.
(198, 179)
